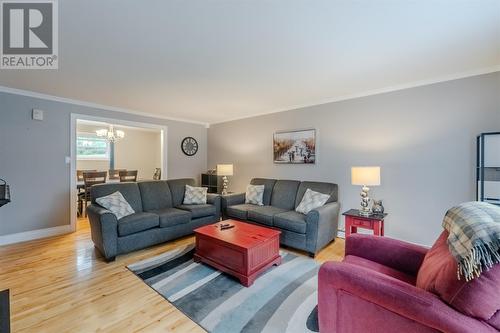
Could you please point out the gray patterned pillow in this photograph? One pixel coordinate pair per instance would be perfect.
(311, 200)
(116, 204)
(255, 195)
(195, 195)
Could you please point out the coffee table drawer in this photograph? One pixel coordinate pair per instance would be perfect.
(226, 256)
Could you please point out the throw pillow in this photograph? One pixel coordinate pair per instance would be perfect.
(311, 200)
(255, 195)
(116, 204)
(195, 195)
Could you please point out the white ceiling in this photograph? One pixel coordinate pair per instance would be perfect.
(214, 60)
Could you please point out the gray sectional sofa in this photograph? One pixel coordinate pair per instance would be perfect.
(309, 232)
(159, 215)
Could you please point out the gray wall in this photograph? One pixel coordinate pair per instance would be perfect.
(32, 159)
(423, 138)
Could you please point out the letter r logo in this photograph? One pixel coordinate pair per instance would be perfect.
(29, 34)
(27, 27)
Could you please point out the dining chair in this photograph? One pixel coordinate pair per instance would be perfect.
(128, 176)
(79, 174)
(115, 173)
(80, 188)
(90, 179)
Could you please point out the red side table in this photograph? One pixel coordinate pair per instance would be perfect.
(354, 220)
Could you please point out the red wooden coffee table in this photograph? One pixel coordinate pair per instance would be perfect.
(244, 251)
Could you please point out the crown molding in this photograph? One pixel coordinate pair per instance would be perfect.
(415, 84)
(53, 98)
(410, 85)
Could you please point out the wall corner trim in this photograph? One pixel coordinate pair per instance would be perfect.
(35, 234)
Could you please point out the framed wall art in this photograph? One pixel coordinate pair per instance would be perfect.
(295, 147)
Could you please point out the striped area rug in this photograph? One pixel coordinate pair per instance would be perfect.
(283, 299)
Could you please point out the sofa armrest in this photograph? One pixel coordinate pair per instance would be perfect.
(215, 199)
(363, 285)
(231, 200)
(104, 230)
(402, 256)
(212, 198)
(322, 226)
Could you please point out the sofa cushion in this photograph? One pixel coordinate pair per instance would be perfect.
(268, 188)
(374, 266)
(137, 222)
(130, 192)
(239, 211)
(438, 274)
(291, 221)
(170, 217)
(155, 195)
(199, 210)
(325, 188)
(284, 194)
(264, 214)
(177, 188)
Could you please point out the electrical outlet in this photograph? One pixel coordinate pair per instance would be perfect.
(37, 114)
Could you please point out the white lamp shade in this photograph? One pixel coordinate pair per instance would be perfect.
(369, 176)
(224, 169)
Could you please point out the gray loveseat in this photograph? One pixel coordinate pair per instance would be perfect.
(309, 232)
(159, 215)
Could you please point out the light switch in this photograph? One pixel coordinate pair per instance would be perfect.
(67, 160)
(37, 114)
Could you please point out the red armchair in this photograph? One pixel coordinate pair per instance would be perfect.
(373, 290)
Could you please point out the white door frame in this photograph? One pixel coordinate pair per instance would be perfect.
(72, 174)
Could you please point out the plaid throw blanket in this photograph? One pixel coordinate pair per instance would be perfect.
(474, 239)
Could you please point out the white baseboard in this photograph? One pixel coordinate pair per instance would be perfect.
(341, 234)
(34, 234)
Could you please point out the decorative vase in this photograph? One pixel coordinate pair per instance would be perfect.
(378, 207)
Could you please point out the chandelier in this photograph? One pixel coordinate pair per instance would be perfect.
(110, 134)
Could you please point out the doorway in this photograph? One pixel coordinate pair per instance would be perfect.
(113, 149)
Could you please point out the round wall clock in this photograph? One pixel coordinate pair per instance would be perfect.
(189, 146)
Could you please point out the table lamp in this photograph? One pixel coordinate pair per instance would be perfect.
(365, 176)
(224, 170)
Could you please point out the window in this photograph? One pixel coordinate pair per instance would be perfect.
(91, 147)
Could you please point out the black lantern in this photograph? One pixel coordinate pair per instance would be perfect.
(4, 193)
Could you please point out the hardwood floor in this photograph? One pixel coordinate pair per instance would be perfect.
(61, 284)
